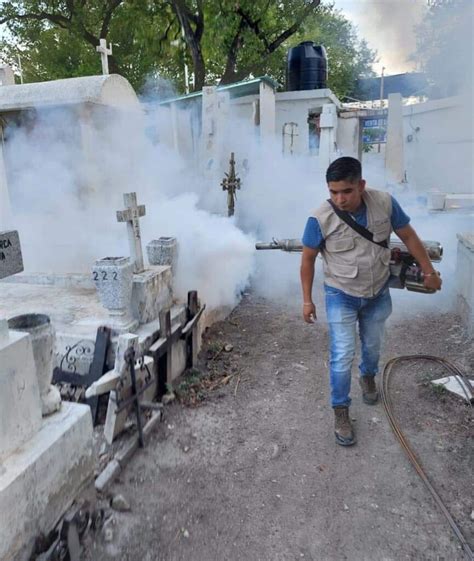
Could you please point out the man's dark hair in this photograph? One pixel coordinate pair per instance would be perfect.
(344, 169)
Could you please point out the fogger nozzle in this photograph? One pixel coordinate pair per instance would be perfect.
(434, 249)
(404, 270)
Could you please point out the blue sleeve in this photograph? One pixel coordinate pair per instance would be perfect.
(398, 219)
(312, 236)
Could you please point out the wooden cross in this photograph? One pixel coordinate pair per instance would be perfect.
(161, 350)
(104, 55)
(131, 216)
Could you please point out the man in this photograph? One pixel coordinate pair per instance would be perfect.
(356, 273)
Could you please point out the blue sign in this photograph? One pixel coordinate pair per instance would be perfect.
(374, 129)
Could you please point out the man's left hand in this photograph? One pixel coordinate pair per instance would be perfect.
(433, 281)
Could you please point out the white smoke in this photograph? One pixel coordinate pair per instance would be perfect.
(389, 27)
(66, 182)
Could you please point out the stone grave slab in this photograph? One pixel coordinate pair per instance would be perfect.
(44, 460)
(20, 412)
(39, 480)
(152, 293)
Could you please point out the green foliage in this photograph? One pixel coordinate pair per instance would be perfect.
(224, 42)
(373, 134)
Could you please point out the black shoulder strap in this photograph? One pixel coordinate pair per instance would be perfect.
(347, 218)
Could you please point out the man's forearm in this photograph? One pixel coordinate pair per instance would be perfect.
(307, 277)
(415, 246)
(417, 249)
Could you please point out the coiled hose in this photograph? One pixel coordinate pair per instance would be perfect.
(453, 369)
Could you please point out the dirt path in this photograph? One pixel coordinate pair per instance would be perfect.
(254, 472)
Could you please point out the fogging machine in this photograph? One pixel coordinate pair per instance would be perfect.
(405, 272)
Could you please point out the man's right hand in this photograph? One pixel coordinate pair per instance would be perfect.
(309, 313)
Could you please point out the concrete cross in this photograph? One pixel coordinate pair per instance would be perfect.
(104, 55)
(131, 216)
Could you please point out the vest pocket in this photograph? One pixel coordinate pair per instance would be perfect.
(381, 231)
(385, 256)
(340, 244)
(344, 271)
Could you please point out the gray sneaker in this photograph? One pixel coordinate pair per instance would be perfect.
(343, 427)
(370, 395)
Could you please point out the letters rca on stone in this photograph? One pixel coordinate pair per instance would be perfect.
(11, 261)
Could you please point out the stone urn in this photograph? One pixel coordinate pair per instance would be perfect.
(436, 200)
(113, 278)
(42, 338)
(163, 251)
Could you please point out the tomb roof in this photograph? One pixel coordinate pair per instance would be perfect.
(112, 90)
(237, 89)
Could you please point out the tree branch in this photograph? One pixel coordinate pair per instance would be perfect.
(59, 20)
(113, 5)
(192, 37)
(230, 69)
(270, 47)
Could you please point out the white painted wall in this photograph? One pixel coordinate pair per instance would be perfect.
(348, 136)
(295, 107)
(465, 280)
(439, 155)
(267, 111)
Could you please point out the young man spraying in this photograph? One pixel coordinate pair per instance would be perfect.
(356, 274)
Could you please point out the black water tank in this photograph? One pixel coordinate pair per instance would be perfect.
(307, 67)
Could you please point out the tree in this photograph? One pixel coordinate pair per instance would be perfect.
(349, 57)
(72, 19)
(445, 46)
(222, 41)
(249, 31)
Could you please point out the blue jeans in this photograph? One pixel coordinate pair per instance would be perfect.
(343, 313)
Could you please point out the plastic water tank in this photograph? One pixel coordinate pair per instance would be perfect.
(307, 67)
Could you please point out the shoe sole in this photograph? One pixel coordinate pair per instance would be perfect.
(369, 401)
(345, 442)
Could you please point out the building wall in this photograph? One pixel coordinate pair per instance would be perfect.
(465, 280)
(438, 142)
(348, 133)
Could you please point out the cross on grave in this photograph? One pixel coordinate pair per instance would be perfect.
(231, 183)
(104, 55)
(161, 350)
(131, 216)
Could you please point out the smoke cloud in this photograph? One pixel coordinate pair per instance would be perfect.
(389, 27)
(66, 182)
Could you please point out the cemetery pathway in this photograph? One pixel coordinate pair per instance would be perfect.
(254, 472)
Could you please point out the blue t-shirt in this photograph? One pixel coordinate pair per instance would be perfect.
(313, 237)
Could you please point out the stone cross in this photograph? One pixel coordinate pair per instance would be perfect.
(131, 216)
(104, 54)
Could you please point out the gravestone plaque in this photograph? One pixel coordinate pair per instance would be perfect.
(11, 261)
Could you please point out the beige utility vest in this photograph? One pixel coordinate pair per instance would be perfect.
(351, 263)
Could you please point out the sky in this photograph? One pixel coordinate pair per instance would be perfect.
(388, 27)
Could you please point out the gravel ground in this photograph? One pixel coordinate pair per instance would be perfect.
(245, 465)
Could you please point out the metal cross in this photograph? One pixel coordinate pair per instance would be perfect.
(292, 134)
(104, 55)
(231, 183)
(131, 216)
